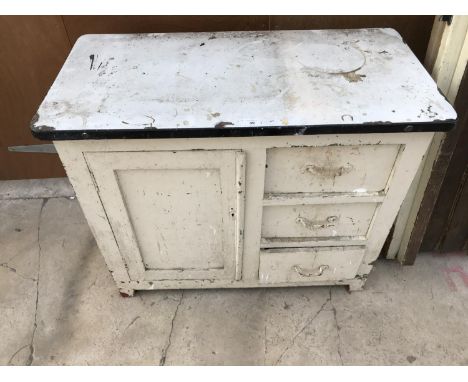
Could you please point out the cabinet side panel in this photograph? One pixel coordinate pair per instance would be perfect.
(405, 169)
(83, 183)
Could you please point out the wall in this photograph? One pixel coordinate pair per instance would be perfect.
(33, 48)
(447, 228)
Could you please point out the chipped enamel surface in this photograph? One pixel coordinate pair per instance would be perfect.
(240, 79)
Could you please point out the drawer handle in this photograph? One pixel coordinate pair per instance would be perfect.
(309, 273)
(310, 224)
(328, 172)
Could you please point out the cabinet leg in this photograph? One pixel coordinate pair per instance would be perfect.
(124, 292)
(356, 285)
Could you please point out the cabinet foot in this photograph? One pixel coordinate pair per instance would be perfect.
(356, 285)
(126, 292)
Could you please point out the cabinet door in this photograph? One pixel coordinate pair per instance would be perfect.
(175, 215)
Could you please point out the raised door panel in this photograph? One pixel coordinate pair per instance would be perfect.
(175, 215)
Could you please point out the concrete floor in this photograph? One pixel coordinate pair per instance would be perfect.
(59, 306)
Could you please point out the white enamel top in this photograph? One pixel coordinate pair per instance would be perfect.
(246, 79)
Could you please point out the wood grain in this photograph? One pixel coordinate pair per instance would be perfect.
(32, 50)
(447, 225)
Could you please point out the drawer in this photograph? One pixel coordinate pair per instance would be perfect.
(309, 264)
(321, 220)
(366, 168)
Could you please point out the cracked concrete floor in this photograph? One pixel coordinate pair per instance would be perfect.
(59, 306)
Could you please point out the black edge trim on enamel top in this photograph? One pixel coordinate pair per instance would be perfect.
(366, 128)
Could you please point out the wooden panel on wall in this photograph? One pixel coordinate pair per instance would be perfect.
(447, 228)
(415, 30)
(456, 236)
(79, 25)
(32, 50)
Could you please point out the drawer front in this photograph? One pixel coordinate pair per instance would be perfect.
(321, 220)
(309, 264)
(365, 168)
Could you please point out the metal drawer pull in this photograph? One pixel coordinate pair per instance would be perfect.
(310, 224)
(308, 273)
(328, 172)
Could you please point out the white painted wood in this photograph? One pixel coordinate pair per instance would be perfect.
(451, 46)
(318, 241)
(404, 171)
(446, 59)
(433, 47)
(301, 198)
(217, 284)
(306, 264)
(421, 184)
(90, 201)
(255, 179)
(329, 169)
(405, 218)
(100, 200)
(321, 220)
(245, 79)
(175, 214)
(402, 217)
(239, 212)
(242, 143)
(459, 69)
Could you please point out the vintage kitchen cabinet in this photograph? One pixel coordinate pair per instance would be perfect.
(242, 159)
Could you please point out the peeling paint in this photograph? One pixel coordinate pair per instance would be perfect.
(328, 171)
(43, 128)
(221, 125)
(39, 128)
(353, 76)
